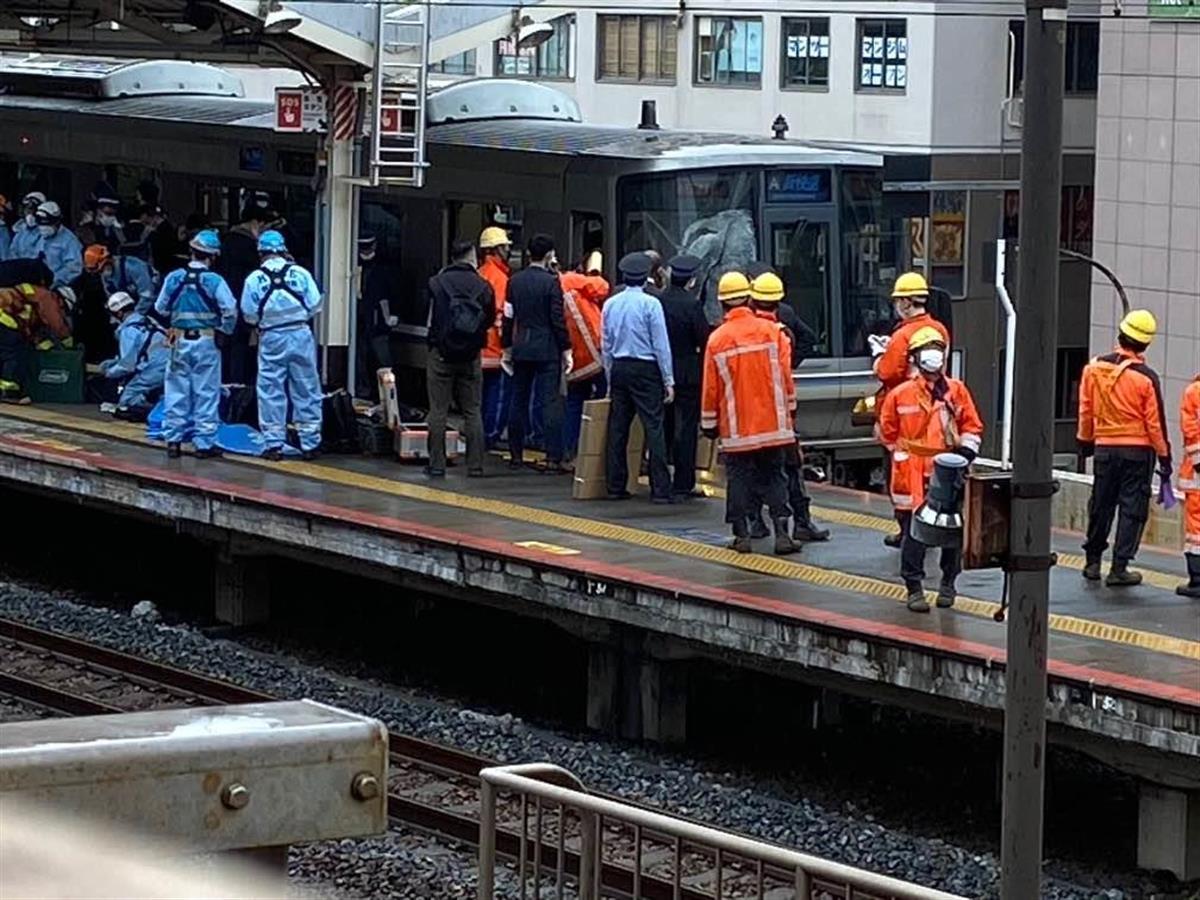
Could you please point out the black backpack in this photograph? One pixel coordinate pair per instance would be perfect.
(466, 325)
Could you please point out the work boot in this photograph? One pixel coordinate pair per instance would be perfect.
(784, 545)
(209, 453)
(174, 451)
(946, 594)
(807, 532)
(1120, 576)
(1091, 571)
(916, 599)
(310, 455)
(894, 540)
(741, 538)
(758, 527)
(273, 454)
(1192, 588)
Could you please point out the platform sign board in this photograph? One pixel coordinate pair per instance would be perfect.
(1174, 9)
(300, 110)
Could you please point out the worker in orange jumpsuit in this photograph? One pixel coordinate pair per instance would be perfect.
(1189, 483)
(29, 316)
(584, 292)
(494, 247)
(1122, 421)
(927, 415)
(892, 362)
(746, 400)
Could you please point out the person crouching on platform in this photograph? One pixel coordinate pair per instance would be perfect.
(766, 299)
(1122, 421)
(927, 415)
(747, 397)
(281, 298)
(584, 292)
(1189, 483)
(141, 361)
(194, 303)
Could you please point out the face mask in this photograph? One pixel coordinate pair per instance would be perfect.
(366, 257)
(106, 219)
(47, 230)
(30, 220)
(931, 360)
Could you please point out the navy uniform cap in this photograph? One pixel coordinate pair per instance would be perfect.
(684, 266)
(366, 239)
(634, 266)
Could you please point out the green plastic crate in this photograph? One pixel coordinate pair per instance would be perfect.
(56, 376)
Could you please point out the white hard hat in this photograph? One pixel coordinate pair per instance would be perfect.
(34, 198)
(67, 294)
(119, 301)
(49, 211)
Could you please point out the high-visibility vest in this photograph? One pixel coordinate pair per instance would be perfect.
(1189, 471)
(747, 392)
(1120, 404)
(496, 273)
(915, 428)
(893, 366)
(582, 298)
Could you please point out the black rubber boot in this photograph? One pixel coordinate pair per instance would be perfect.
(1091, 571)
(916, 599)
(805, 530)
(945, 595)
(174, 451)
(894, 540)
(1192, 588)
(210, 453)
(1120, 576)
(310, 455)
(274, 454)
(784, 545)
(758, 527)
(741, 538)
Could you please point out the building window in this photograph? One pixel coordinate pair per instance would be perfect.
(636, 48)
(948, 247)
(462, 64)
(805, 53)
(882, 54)
(551, 59)
(1075, 217)
(1082, 57)
(728, 51)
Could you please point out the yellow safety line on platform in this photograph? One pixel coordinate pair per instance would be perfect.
(594, 528)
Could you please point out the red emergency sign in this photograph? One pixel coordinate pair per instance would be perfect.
(289, 115)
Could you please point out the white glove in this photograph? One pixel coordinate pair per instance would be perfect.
(506, 363)
(879, 343)
(669, 395)
(568, 360)
(393, 321)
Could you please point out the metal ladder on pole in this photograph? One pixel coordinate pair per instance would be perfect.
(398, 88)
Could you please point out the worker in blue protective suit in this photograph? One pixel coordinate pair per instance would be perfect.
(141, 362)
(25, 235)
(59, 247)
(122, 273)
(195, 303)
(281, 299)
(5, 233)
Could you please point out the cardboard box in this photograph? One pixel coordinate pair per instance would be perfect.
(591, 466)
(412, 443)
(706, 454)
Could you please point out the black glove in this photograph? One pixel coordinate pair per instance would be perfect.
(1086, 448)
(1164, 467)
(966, 453)
(710, 433)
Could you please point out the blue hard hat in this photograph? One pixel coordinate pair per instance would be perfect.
(206, 241)
(271, 242)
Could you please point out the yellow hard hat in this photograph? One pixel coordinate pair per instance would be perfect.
(733, 286)
(766, 288)
(910, 284)
(925, 336)
(493, 236)
(1139, 325)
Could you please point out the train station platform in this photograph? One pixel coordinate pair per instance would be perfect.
(1124, 665)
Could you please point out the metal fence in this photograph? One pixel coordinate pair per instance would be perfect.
(569, 843)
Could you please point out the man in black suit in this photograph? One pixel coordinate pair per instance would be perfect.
(687, 331)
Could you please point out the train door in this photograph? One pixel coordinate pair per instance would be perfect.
(799, 248)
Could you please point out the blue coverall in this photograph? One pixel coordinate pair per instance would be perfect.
(281, 298)
(133, 276)
(64, 256)
(26, 241)
(141, 358)
(194, 302)
(5, 239)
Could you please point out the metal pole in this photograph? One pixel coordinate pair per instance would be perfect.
(1010, 352)
(487, 840)
(1033, 446)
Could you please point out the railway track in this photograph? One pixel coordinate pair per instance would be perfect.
(431, 787)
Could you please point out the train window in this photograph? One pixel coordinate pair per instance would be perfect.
(468, 219)
(799, 252)
(865, 307)
(587, 234)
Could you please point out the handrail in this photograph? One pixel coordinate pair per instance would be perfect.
(534, 780)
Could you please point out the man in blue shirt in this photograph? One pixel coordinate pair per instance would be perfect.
(141, 361)
(637, 360)
(195, 303)
(281, 299)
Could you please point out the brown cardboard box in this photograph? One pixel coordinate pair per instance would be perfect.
(590, 465)
(594, 427)
(706, 454)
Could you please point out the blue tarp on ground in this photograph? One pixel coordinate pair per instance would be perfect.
(241, 439)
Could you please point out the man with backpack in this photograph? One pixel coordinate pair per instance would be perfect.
(462, 307)
(281, 298)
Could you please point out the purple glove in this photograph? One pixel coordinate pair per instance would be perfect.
(1166, 496)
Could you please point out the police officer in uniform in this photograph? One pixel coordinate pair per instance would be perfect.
(687, 332)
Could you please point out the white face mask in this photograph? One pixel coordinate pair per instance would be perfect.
(931, 360)
(106, 219)
(30, 220)
(47, 230)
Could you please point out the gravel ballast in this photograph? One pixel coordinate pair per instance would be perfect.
(407, 865)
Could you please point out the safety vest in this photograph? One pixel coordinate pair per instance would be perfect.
(747, 392)
(1120, 404)
(1189, 471)
(496, 273)
(892, 367)
(582, 297)
(915, 428)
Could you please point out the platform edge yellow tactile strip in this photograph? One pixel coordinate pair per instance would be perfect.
(764, 565)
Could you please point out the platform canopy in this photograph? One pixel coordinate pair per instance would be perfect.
(312, 36)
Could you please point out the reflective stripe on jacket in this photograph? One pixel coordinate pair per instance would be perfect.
(34, 311)
(582, 298)
(892, 367)
(495, 272)
(915, 428)
(747, 392)
(1120, 403)
(1189, 424)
